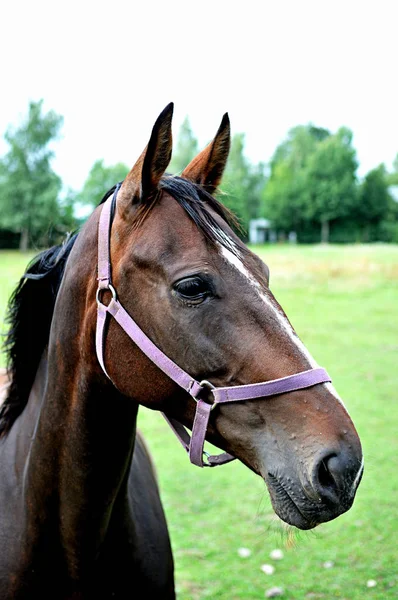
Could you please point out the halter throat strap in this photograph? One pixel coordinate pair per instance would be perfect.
(206, 396)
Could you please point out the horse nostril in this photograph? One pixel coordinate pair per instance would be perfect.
(334, 479)
(325, 475)
(328, 478)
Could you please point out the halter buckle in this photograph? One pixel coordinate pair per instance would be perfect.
(110, 289)
(206, 384)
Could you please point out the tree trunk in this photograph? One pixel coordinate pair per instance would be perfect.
(24, 240)
(366, 233)
(325, 231)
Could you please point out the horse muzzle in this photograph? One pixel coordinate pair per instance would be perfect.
(305, 500)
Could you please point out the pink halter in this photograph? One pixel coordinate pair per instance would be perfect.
(206, 396)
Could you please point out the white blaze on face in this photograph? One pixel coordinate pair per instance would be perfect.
(359, 474)
(236, 262)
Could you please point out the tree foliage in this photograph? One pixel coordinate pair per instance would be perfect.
(186, 148)
(376, 208)
(312, 186)
(331, 181)
(242, 183)
(29, 188)
(374, 199)
(312, 180)
(285, 195)
(100, 179)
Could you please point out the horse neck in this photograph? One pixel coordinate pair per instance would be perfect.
(84, 439)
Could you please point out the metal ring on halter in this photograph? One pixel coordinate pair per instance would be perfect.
(206, 384)
(110, 288)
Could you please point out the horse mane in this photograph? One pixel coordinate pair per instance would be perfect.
(29, 315)
(31, 306)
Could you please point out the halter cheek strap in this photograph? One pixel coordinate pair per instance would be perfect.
(206, 396)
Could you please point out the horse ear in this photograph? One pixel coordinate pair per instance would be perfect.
(208, 166)
(143, 179)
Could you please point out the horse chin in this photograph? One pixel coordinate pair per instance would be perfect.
(285, 507)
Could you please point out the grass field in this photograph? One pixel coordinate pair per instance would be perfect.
(343, 302)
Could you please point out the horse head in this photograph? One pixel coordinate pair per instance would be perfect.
(203, 298)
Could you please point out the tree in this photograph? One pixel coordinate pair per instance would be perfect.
(331, 181)
(242, 183)
(186, 148)
(286, 193)
(374, 200)
(29, 187)
(312, 180)
(100, 179)
(284, 197)
(299, 145)
(254, 190)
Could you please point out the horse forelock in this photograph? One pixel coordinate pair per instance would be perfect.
(199, 205)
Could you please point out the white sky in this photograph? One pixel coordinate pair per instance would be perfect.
(110, 67)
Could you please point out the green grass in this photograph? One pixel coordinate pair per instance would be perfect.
(12, 265)
(343, 302)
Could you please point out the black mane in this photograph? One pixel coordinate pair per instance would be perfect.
(29, 315)
(31, 306)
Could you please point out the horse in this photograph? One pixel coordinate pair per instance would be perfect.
(156, 302)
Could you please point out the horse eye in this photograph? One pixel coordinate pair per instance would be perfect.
(193, 288)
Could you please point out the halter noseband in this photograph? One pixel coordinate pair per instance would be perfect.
(202, 391)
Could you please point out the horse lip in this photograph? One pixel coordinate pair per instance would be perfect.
(302, 522)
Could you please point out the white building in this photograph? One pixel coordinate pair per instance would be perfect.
(260, 231)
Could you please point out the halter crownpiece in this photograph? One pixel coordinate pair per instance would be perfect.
(206, 396)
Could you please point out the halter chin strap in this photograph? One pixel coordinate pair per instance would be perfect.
(206, 396)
